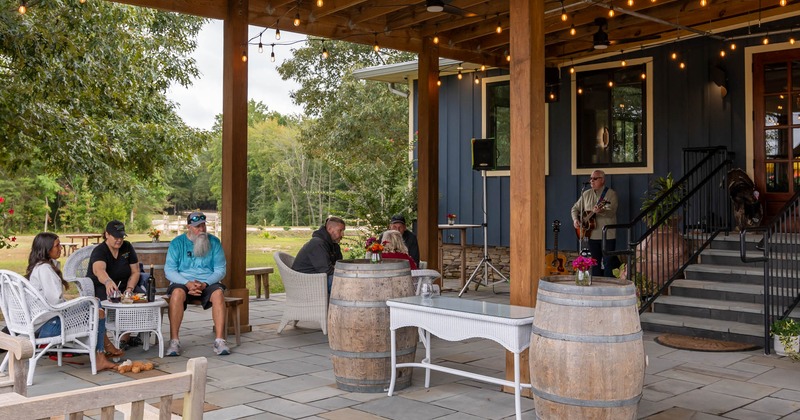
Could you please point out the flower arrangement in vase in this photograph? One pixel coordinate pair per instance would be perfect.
(582, 266)
(374, 247)
(154, 234)
(451, 218)
(6, 241)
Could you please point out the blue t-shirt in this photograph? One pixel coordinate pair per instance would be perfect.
(182, 266)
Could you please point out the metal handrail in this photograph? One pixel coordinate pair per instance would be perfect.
(780, 243)
(697, 211)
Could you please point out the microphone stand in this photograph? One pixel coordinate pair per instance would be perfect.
(583, 241)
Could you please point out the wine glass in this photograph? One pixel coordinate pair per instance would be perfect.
(114, 296)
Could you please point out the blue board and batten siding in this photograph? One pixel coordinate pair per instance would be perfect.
(688, 111)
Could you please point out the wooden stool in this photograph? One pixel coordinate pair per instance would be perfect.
(261, 276)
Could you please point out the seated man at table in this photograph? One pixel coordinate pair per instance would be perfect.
(195, 267)
(319, 255)
(398, 223)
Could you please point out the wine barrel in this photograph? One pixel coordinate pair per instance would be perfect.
(358, 325)
(587, 357)
(154, 253)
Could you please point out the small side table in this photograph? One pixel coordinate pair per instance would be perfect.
(463, 231)
(123, 318)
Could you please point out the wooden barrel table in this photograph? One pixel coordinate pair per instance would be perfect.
(586, 355)
(154, 253)
(358, 325)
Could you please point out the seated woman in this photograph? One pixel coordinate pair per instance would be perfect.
(394, 247)
(46, 277)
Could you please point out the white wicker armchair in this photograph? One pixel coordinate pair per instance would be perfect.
(75, 270)
(22, 306)
(306, 294)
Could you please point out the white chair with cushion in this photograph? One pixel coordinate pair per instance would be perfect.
(75, 270)
(22, 306)
(306, 294)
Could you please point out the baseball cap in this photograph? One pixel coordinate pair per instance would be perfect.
(398, 218)
(116, 229)
(196, 218)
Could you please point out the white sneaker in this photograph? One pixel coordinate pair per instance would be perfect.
(174, 348)
(221, 347)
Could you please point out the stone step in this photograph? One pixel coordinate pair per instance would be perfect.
(709, 289)
(725, 273)
(728, 257)
(731, 241)
(708, 328)
(711, 309)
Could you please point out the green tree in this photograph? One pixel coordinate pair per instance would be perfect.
(84, 89)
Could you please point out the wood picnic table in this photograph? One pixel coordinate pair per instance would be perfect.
(84, 237)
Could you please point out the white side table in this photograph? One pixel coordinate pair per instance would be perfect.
(124, 318)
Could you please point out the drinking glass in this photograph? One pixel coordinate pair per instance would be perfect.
(426, 290)
(114, 296)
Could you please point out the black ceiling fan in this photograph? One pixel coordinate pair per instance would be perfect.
(601, 40)
(436, 6)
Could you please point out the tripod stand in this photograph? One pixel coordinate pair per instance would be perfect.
(486, 262)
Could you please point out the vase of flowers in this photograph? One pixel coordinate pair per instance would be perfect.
(451, 218)
(154, 234)
(6, 212)
(374, 248)
(583, 270)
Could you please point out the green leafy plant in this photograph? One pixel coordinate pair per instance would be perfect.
(644, 286)
(658, 187)
(788, 331)
(6, 240)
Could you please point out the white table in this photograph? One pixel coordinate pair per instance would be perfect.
(454, 319)
(124, 318)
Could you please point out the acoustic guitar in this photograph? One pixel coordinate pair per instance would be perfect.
(588, 222)
(555, 262)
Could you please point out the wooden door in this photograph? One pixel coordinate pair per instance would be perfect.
(776, 140)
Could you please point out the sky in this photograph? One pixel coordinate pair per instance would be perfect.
(202, 101)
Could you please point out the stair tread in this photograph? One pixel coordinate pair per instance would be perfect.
(725, 269)
(703, 323)
(745, 288)
(723, 305)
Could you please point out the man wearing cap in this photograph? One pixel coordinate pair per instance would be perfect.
(319, 255)
(195, 267)
(113, 264)
(398, 223)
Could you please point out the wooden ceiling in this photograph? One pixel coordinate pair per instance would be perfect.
(467, 29)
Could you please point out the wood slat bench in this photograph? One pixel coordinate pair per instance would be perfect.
(69, 247)
(14, 404)
(262, 277)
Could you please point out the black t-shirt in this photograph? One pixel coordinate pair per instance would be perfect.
(119, 269)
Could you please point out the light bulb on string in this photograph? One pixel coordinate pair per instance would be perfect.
(674, 56)
(722, 53)
(703, 3)
(630, 3)
(483, 67)
(277, 33)
(571, 69)
(435, 39)
(782, 2)
(611, 12)
(23, 7)
(296, 21)
(733, 46)
(643, 76)
(572, 30)
(460, 76)
(610, 83)
(564, 16)
(477, 79)
(272, 54)
(260, 47)
(580, 91)
(376, 47)
(325, 53)
(765, 41)
(499, 28)
(319, 3)
(682, 65)
(791, 39)
(623, 63)
(244, 56)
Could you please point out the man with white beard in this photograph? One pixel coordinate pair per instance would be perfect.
(195, 267)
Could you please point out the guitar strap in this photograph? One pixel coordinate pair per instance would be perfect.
(602, 196)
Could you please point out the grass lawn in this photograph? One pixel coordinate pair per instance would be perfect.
(260, 248)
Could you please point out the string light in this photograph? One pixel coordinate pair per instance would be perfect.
(703, 3)
(643, 75)
(23, 7)
(375, 46)
(244, 56)
(483, 67)
(782, 2)
(611, 10)
(580, 91)
(460, 76)
(571, 69)
(630, 3)
(260, 45)
(572, 30)
(564, 16)
(436, 39)
(733, 46)
(277, 31)
(682, 65)
(765, 41)
(499, 28)
(83, 1)
(319, 3)
(674, 56)
(477, 79)
(272, 54)
(722, 53)
(791, 39)
(296, 21)
(610, 83)
(439, 79)
(325, 52)
(623, 63)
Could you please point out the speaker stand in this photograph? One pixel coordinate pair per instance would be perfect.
(486, 262)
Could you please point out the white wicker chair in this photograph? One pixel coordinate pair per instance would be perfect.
(75, 270)
(22, 305)
(306, 294)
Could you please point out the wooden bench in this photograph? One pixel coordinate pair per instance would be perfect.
(232, 315)
(69, 247)
(262, 277)
(129, 396)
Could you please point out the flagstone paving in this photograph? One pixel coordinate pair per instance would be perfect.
(290, 376)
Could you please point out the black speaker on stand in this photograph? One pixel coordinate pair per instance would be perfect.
(483, 154)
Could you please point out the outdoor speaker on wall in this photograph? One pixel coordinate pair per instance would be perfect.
(483, 154)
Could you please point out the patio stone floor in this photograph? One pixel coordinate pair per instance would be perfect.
(290, 376)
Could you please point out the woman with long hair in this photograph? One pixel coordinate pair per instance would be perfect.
(394, 247)
(46, 277)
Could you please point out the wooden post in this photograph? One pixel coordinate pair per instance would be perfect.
(527, 157)
(428, 154)
(234, 152)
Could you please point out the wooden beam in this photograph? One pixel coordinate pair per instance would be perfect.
(428, 154)
(234, 152)
(527, 158)
(214, 9)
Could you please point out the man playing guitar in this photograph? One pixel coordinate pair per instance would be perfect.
(596, 208)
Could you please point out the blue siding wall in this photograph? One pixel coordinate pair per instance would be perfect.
(688, 111)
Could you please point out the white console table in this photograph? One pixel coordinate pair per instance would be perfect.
(454, 319)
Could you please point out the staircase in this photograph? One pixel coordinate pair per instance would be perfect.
(721, 297)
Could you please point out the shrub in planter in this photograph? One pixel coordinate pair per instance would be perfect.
(786, 334)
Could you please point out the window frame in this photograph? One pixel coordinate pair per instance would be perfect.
(648, 167)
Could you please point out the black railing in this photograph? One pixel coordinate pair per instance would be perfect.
(669, 234)
(779, 247)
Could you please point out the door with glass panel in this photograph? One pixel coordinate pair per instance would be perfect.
(776, 140)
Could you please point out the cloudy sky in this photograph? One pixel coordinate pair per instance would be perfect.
(203, 99)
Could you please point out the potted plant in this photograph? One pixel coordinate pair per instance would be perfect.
(658, 187)
(786, 337)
